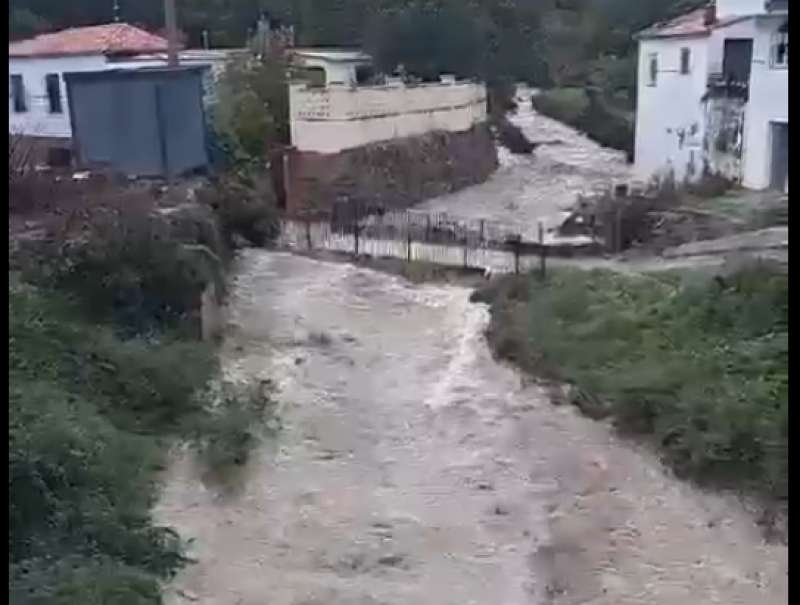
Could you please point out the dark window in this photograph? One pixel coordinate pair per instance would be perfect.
(18, 94)
(653, 69)
(685, 58)
(53, 85)
(737, 60)
(780, 47)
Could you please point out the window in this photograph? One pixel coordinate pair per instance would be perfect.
(653, 73)
(686, 55)
(53, 86)
(779, 48)
(18, 94)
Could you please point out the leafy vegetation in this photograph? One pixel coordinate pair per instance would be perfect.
(699, 364)
(105, 372)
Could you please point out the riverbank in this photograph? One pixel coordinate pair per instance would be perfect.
(413, 468)
(697, 364)
(108, 301)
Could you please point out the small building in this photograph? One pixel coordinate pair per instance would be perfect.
(713, 95)
(38, 105)
(327, 66)
(142, 122)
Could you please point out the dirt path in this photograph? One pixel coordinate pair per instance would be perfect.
(413, 469)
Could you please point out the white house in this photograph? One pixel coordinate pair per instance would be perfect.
(713, 94)
(38, 105)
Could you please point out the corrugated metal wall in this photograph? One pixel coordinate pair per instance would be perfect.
(145, 122)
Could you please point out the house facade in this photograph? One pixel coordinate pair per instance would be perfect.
(38, 106)
(712, 95)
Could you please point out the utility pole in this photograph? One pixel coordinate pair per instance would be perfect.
(170, 21)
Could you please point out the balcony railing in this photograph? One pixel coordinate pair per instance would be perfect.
(776, 5)
(720, 86)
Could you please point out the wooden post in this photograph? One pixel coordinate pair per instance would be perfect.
(618, 230)
(542, 252)
(483, 229)
(408, 237)
(355, 227)
(516, 241)
(170, 22)
(308, 231)
(466, 248)
(428, 229)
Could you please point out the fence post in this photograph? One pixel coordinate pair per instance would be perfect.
(542, 253)
(355, 227)
(308, 231)
(483, 229)
(618, 230)
(428, 229)
(408, 237)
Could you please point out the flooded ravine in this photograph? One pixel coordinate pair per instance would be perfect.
(541, 186)
(413, 469)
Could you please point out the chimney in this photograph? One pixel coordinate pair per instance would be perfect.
(710, 14)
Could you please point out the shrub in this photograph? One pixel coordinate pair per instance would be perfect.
(699, 364)
(246, 206)
(586, 110)
(564, 104)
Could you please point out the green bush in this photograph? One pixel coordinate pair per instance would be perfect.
(246, 207)
(90, 417)
(564, 104)
(700, 365)
(588, 111)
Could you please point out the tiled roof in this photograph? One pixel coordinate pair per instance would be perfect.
(690, 24)
(109, 39)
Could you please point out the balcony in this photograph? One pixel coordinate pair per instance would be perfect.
(719, 86)
(776, 6)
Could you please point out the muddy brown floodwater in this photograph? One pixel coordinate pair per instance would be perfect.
(415, 470)
(526, 189)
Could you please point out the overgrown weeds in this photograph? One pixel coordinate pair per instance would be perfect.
(698, 364)
(106, 370)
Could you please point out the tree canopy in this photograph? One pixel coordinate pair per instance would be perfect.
(545, 42)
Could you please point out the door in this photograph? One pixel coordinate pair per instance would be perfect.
(737, 60)
(779, 176)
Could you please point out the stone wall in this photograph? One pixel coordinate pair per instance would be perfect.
(393, 174)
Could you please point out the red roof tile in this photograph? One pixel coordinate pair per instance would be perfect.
(109, 39)
(690, 24)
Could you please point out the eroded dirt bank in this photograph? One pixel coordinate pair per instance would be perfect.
(413, 469)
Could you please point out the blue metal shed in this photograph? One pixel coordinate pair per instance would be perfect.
(144, 122)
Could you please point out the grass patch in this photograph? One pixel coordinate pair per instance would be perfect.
(698, 364)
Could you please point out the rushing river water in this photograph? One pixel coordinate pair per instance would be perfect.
(541, 186)
(415, 470)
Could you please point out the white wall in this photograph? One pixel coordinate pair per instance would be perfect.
(329, 120)
(38, 121)
(729, 8)
(769, 102)
(669, 112)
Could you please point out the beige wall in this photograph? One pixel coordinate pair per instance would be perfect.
(331, 119)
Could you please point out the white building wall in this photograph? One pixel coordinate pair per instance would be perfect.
(37, 120)
(730, 8)
(331, 119)
(769, 102)
(670, 123)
